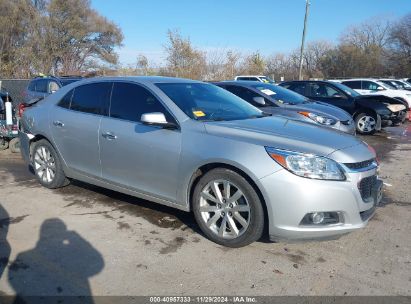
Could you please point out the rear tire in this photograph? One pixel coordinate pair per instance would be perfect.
(366, 123)
(228, 209)
(48, 166)
(3, 144)
(14, 145)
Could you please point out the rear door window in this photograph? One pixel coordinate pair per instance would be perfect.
(243, 93)
(298, 87)
(323, 90)
(92, 98)
(41, 85)
(129, 101)
(356, 85)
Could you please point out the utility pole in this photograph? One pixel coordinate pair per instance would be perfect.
(307, 6)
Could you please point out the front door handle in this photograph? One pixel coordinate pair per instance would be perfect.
(58, 123)
(109, 136)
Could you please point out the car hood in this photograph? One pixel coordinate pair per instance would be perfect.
(287, 134)
(379, 98)
(322, 109)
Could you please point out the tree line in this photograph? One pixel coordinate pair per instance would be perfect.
(63, 37)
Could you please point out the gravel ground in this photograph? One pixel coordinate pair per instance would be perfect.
(84, 240)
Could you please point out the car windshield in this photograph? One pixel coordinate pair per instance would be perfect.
(387, 86)
(207, 102)
(281, 95)
(401, 84)
(346, 89)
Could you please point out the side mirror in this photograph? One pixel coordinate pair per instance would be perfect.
(259, 100)
(157, 119)
(380, 89)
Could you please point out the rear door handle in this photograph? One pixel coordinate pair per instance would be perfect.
(58, 123)
(109, 136)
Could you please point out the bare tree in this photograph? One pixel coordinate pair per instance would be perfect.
(183, 60)
(400, 47)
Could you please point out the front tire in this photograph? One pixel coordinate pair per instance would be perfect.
(366, 123)
(228, 209)
(47, 165)
(14, 145)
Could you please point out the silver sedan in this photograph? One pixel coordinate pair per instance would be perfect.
(199, 148)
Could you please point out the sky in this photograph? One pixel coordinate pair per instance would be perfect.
(269, 26)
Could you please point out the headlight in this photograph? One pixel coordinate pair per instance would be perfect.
(307, 165)
(319, 118)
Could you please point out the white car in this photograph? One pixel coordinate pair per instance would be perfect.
(398, 84)
(260, 78)
(366, 86)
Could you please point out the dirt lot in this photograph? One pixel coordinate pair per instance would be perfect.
(85, 240)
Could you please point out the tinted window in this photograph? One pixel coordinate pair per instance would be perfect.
(91, 98)
(243, 93)
(247, 78)
(129, 101)
(298, 87)
(323, 90)
(66, 100)
(356, 85)
(282, 95)
(41, 85)
(32, 86)
(201, 101)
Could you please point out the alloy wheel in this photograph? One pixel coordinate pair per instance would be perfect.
(366, 124)
(224, 209)
(44, 164)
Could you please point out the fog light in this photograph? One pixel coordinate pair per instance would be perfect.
(322, 218)
(317, 217)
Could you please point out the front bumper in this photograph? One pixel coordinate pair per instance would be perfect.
(394, 118)
(289, 198)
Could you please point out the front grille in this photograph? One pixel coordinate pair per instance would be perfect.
(366, 185)
(360, 165)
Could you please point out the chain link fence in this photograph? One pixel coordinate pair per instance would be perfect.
(16, 88)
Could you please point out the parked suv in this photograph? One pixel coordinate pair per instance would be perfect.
(370, 113)
(197, 147)
(259, 78)
(377, 87)
(40, 87)
(279, 101)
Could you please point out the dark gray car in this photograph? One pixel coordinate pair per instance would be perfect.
(283, 102)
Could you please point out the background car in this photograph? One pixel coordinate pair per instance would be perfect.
(283, 102)
(376, 87)
(398, 84)
(42, 86)
(370, 113)
(259, 78)
(196, 147)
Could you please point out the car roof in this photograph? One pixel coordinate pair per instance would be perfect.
(238, 83)
(139, 79)
(250, 76)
